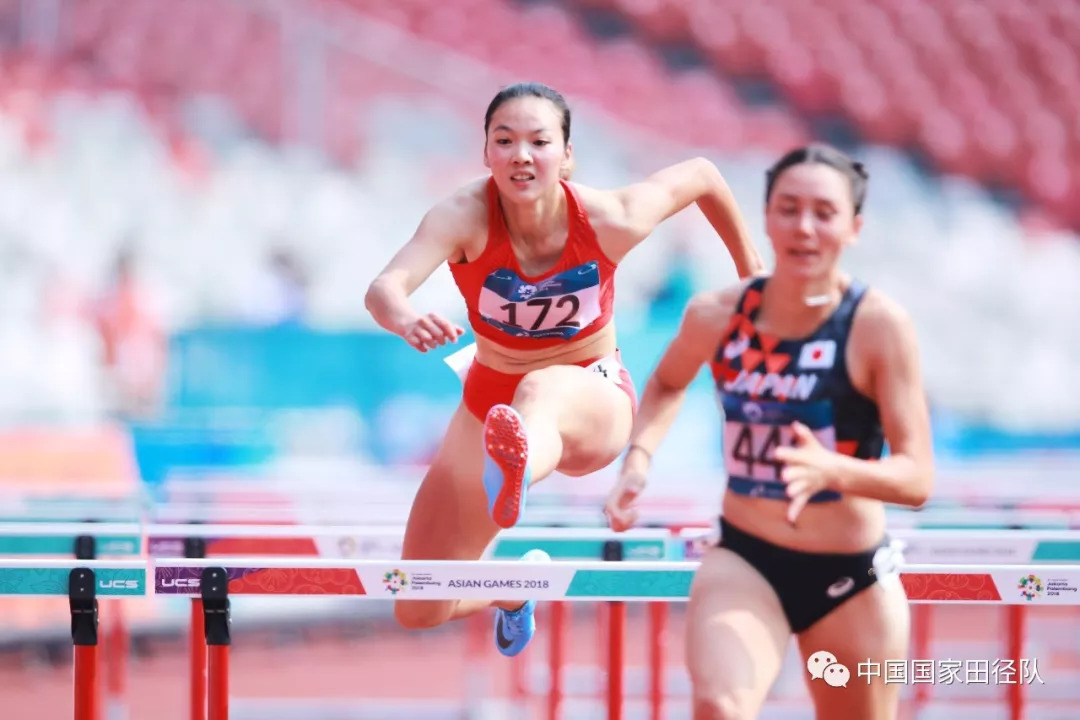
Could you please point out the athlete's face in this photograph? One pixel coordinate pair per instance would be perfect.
(810, 219)
(525, 149)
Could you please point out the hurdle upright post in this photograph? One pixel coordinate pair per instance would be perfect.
(82, 601)
(214, 587)
(85, 548)
(195, 547)
(921, 632)
(613, 551)
(115, 656)
(658, 613)
(1015, 622)
(657, 629)
(556, 658)
(556, 653)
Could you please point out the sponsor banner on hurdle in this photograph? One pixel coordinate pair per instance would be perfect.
(634, 581)
(42, 577)
(31, 538)
(1001, 547)
(263, 581)
(276, 540)
(1010, 585)
(948, 546)
(385, 543)
(74, 510)
(919, 547)
(436, 580)
(584, 543)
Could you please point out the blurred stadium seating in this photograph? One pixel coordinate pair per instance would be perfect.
(983, 89)
(214, 137)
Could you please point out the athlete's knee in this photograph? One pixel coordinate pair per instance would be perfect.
(537, 384)
(421, 614)
(721, 707)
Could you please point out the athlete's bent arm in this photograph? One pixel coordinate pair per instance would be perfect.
(648, 203)
(666, 388)
(905, 477)
(437, 239)
(662, 397)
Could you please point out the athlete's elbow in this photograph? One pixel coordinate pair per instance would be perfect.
(372, 298)
(663, 388)
(709, 177)
(919, 488)
(379, 298)
(377, 293)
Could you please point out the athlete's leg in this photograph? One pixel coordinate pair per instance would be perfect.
(449, 519)
(564, 418)
(736, 635)
(872, 626)
(578, 420)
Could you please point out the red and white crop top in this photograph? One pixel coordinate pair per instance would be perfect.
(569, 302)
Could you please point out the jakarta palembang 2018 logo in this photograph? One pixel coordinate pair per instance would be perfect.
(1030, 587)
(395, 581)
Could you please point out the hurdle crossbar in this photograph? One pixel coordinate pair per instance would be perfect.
(46, 577)
(921, 546)
(44, 538)
(577, 581)
(383, 542)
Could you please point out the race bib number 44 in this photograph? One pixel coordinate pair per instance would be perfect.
(557, 307)
(753, 430)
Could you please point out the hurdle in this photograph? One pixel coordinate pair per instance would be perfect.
(22, 506)
(381, 543)
(83, 540)
(83, 582)
(960, 546)
(215, 581)
(86, 541)
(934, 546)
(1034, 547)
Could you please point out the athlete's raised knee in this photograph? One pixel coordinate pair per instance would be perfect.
(421, 614)
(538, 384)
(721, 707)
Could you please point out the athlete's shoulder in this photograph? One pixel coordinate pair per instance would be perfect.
(466, 203)
(459, 218)
(711, 311)
(603, 207)
(881, 324)
(880, 311)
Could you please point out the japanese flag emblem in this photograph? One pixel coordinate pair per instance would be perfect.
(818, 355)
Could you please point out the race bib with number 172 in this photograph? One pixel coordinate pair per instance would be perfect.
(556, 307)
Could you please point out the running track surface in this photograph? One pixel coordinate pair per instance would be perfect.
(385, 663)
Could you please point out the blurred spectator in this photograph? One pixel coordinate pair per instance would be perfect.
(134, 345)
(276, 294)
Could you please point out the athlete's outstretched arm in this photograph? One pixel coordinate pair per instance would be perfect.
(906, 477)
(663, 395)
(437, 239)
(648, 203)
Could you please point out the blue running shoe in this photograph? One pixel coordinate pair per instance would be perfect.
(515, 628)
(506, 466)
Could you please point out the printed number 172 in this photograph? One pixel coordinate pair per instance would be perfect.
(545, 307)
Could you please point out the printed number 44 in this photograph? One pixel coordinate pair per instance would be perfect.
(745, 452)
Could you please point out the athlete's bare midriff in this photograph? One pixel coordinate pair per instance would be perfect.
(848, 525)
(514, 361)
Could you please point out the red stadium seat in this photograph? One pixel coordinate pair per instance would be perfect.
(885, 64)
